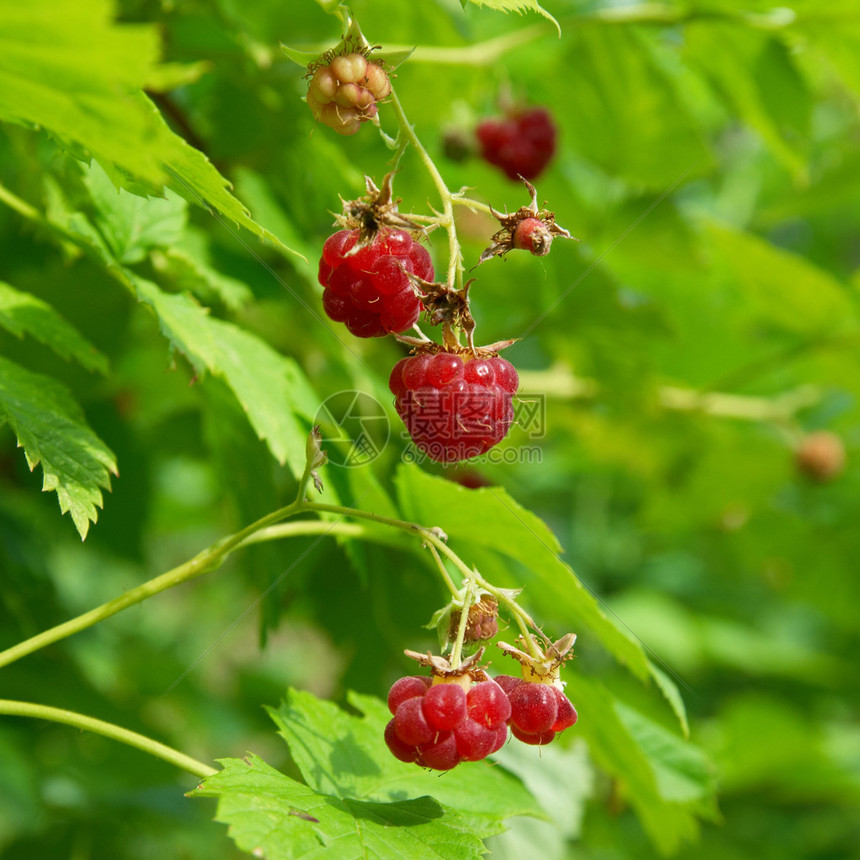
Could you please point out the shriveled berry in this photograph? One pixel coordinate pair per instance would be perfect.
(400, 750)
(534, 708)
(410, 723)
(406, 688)
(343, 94)
(367, 286)
(532, 235)
(452, 406)
(445, 706)
(521, 143)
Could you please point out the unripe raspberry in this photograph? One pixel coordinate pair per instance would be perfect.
(821, 456)
(344, 93)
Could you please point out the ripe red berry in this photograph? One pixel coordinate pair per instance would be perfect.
(344, 93)
(534, 708)
(453, 408)
(534, 738)
(366, 286)
(406, 688)
(440, 725)
(566, 716)
(508, 683)
(521, 143)
(445, 706)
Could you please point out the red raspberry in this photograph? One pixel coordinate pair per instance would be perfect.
(440, 725)
(367, 287)
(454, 407)
(538, 711)
(344, 93)
(521, 143)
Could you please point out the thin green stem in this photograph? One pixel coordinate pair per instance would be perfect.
(442, 570)
(455, 269)
(108, 730)
(468, 599)
(204, 562)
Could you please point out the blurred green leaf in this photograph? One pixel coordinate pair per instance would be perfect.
(22, 313)
(51, 428)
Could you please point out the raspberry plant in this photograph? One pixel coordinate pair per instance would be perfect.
(202, 259)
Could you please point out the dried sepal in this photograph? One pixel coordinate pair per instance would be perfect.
(544, 666)
(529, 228)
(377, 209)
(443, 672)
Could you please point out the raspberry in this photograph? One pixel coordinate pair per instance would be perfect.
(488, 704)
(508, 683)
(821, 456)
(366, 286)
(344, 93)
(454, 408)
(445, 706)
(534, 738)
(440, 725)
(534, 708)
(566, 716)
(520, 143)
(406, 688)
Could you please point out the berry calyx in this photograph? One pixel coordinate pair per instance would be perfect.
(521, 143)
(367, 284)
(344, 90)
(821, 456)
(454, 406)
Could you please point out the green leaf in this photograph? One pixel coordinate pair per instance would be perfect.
(51, 428)
(756, 74)
(273, 816)
(672, 695)
(520, 6)
(346, 756)
(665, 790)
(627, 114)
(778, 286)
(490, 518)
(71, 70)
(271, 388)
(22, 313)
(131, 225)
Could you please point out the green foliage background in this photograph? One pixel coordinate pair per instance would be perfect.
(167, 344)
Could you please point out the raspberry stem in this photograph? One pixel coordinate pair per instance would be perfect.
(468, 600)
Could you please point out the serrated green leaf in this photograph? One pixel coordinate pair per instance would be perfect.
(131, 225)
(271, 388)
(346, 756)
(273, 816)
(519, 6)
(51, 428)
(490, 518)
(71, 70)
(672, 695)
(22, 313)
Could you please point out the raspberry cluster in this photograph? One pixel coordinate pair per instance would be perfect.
(538, 711)
(367, 285)
(454, 407)
(344, 93)
(438, 725)
(521, 143)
